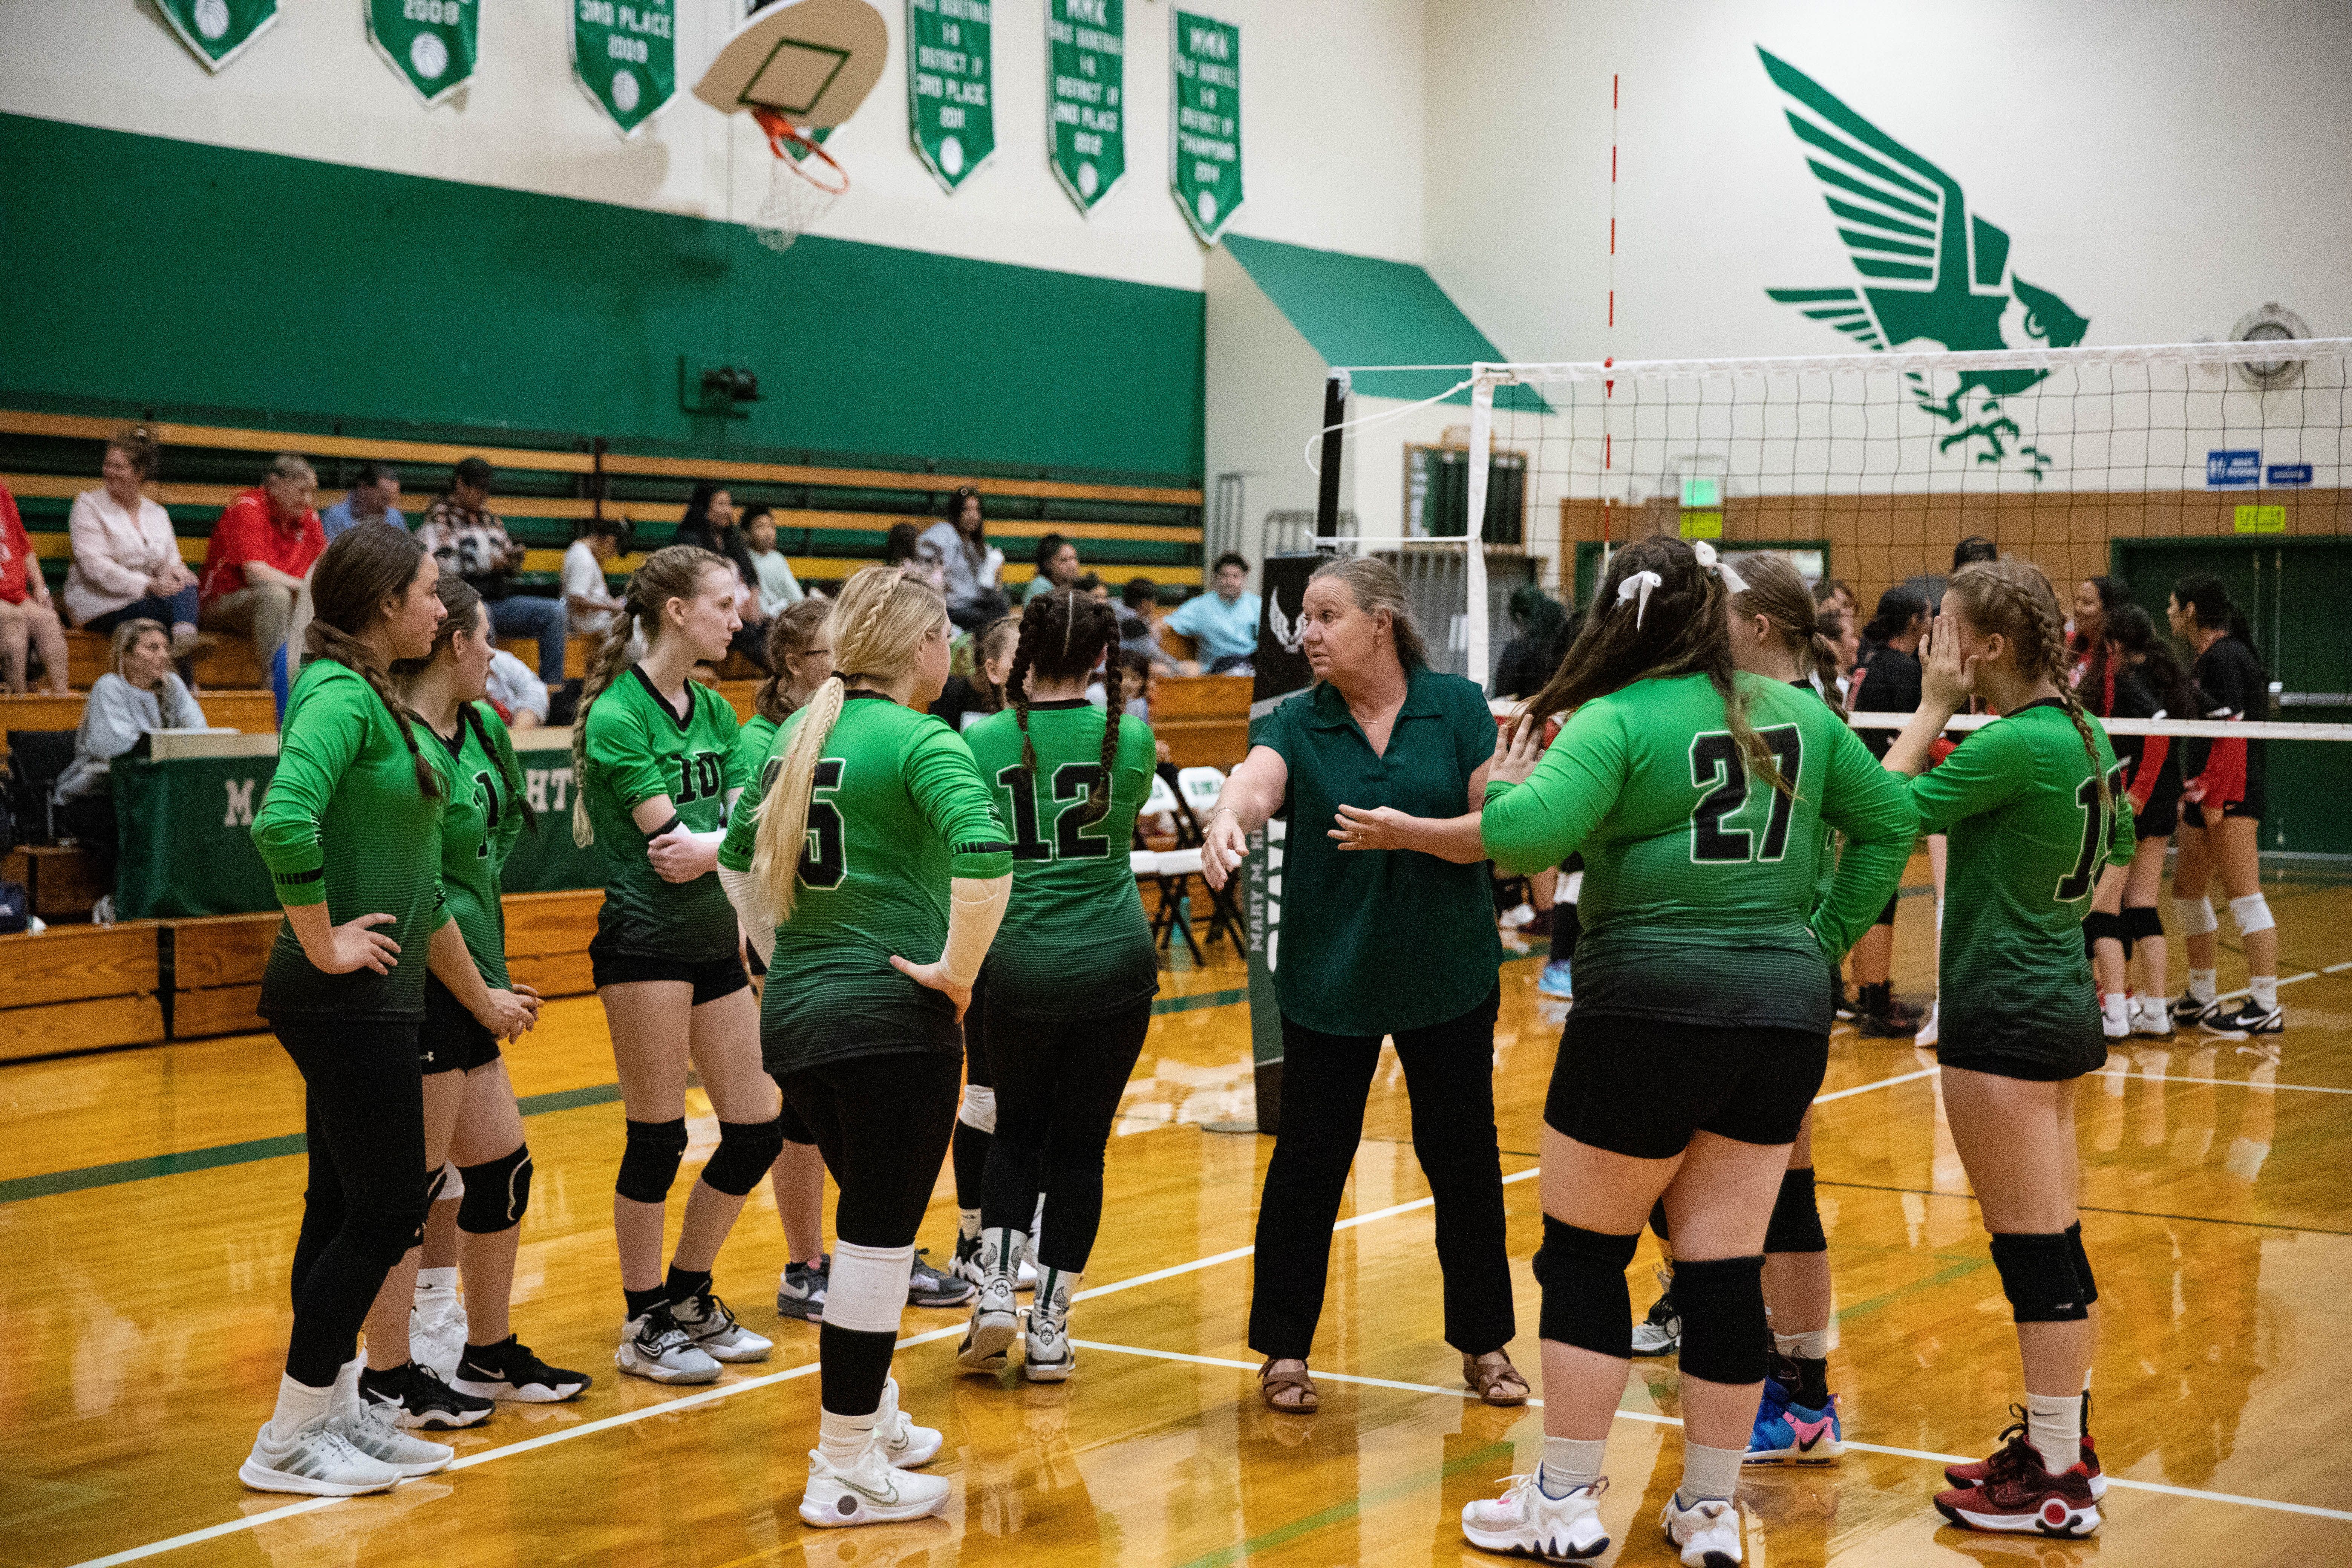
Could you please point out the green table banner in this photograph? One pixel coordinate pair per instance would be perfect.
(1086, 69)
(217, 31)
(625, 58)
(1205, 131)
(432, 44)
(950, 110)
(547, 860)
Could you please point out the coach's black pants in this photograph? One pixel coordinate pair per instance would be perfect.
(1449, 1074)
(363, 1116)
(1058, 1082)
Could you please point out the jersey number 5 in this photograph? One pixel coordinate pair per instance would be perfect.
(1073, 781)
(2098, 828)
(1715, 762)
(822, 860)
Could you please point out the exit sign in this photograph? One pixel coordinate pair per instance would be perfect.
(1701, 492)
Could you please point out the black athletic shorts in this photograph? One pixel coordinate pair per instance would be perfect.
(1641, 1087)
(451, 1039)
(711, 978)
(2196, 815)
(2160, 819)
(1886, 915)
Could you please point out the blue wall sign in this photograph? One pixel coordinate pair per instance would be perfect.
(2290, 473)
(2240, 467)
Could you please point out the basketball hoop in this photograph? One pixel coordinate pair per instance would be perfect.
(805, 183)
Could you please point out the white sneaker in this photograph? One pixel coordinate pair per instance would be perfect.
(654, 1346)
(371, 1430)
(715, 1331)
(317, 1460)
(1046, 1356)
(995, 1315)
(1926, 1035)
(1526, 1521)
(904, 1445)
(1708, 1534)
(436, 1331)
(1517, 916)
(871, 1491)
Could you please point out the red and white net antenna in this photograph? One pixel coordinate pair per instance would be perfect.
(1609, 344)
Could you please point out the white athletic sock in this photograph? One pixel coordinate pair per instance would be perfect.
(840, 1439)
(1708, 1473)
(1569, 1463)
(299, 1404)
(2265, 990)
(436, 1279)
(967, 1223)
(1812, 1345)
(2053, 1426)
(2200, 985)
(2118, 1007)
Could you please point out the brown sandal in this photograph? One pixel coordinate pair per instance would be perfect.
(1499, 1385)
(1270, 1382)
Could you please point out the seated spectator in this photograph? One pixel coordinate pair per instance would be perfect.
(779, 589)
(520, 696)
(973, 565)
(905, 548)
(369, 500)
(468, 539)
(1091, 585)
(588, 599)
(27, 617)
(261, 553)
(140, 694)
(1057, 567)
(710, 524)
(1223, 625)
(126, 562)
(965, 701)
(1528, 660)
(1139, 624)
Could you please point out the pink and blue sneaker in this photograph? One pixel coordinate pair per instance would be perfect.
(1789, 1434)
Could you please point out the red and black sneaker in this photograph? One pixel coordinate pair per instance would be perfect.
(2013, 1436)
(2019, 1497)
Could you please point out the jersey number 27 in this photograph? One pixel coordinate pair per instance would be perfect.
(1717, 767)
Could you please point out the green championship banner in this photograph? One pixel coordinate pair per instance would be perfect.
(216, 31)
(1205, 131)
(950, 110)
(625, 57)
(432, 44)
(1085, 70)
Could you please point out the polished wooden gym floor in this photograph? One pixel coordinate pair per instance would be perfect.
(149, 1201)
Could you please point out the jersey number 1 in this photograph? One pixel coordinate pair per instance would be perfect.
(1715, 762)
(2098, 828)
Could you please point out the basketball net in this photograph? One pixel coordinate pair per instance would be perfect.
(805, 183)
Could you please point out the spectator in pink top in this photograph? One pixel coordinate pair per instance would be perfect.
(260, 555)
(126, 563)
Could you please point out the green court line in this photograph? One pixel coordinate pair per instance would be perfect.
(49, 1183)
(1340, 1512)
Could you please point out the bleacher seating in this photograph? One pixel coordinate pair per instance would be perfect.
(1204, 719)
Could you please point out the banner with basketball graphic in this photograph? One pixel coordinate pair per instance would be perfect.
(216, 31)
(951, 93)
(1085, 96)
(625, 57)
(1204, 111)
(432, 44)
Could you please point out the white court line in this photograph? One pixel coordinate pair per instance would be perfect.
(727, 1391)
(1881, 1083)
(1657, 1420)
(2219, 1082)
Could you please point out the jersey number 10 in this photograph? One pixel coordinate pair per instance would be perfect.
(2098, 828)
(1715, 762)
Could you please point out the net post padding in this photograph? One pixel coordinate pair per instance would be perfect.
(805, 183)
(1482, 436)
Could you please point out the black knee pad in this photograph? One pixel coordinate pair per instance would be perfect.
(1796, 1224)
(2082, 1264)
(1585, 1301)
(1724, 1332)
(2037, 1275)
(384, 1236)
(2096, 925)
(746, 1150)
(2142, 921)
(649, 1163)
(498, 1192)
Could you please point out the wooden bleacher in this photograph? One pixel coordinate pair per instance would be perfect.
(1204, 719)
(92, 986)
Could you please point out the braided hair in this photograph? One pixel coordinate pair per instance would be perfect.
(461, 603)
(2014, 599)
(673, 571)
(1684, 628)
(1062, 634)
(362, 569)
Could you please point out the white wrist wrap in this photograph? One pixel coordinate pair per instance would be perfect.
(751, 908)
(975, 907)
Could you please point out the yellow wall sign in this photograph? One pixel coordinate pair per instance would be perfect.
(2262, 519)
(1709, 524)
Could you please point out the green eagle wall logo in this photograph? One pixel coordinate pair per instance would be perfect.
(1934, 272)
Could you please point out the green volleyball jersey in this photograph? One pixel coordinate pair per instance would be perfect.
(2020, 801)
(752, 744)
(479, 824)
(1073, 941)
(899, 811)
(1701, 900)
(344, 824)
(638, 748)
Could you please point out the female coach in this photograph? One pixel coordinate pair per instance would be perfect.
(1387, 758)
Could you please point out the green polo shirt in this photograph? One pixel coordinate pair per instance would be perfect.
(1373, 942)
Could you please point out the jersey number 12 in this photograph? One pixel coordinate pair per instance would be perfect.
(1073, 783)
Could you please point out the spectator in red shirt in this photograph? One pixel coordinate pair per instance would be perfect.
(27, 617)
(260, 557)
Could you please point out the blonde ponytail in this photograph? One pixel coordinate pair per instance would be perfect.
(783, 816)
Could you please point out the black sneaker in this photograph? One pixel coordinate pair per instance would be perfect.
(2247, 1018)
(800, 1288)
(508, 1370)
(927, 1286)
(1885, 1027)
(1660, 1333)
(2187, 1011)
(413, 1395)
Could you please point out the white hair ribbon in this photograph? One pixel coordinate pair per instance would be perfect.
(1637, 587)
(1732, 581)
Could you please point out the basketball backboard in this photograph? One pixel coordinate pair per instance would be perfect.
(812, 61)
